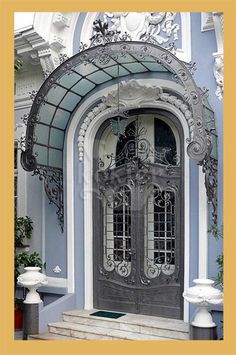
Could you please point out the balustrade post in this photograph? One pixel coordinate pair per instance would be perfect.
(203, 294)
(32, 279)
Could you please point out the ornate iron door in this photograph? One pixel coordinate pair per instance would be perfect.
(138, 251)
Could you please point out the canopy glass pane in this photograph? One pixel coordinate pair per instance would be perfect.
(114, 70)
(55, 158)
(46, 113)
(56, 138)
(41, 154)
(154, 66)
(55, 95)
(69, 79)
(135, 67)
(41, 132)
(85, 68)
(70, 101)
(83, 87)
(61, 118)
(99, 77)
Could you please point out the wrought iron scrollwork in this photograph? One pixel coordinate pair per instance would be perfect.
(103, 35)
(144, 282)
(138, 153)
(210, 169)
(53, 184)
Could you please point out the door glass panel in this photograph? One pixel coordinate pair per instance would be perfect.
(117, 231)
(159, 239)
(165, 144)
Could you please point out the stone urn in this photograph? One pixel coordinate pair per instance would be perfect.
(203, 294)
(32, 279)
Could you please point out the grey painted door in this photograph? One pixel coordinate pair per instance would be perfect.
(138, 238)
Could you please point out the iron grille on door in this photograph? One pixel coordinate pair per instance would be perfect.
(159, 238)
(117, 231)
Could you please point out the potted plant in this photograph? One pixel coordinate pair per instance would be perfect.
(23, 231)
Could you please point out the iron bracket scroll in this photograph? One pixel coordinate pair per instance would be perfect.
(53, 185)
(210, 169)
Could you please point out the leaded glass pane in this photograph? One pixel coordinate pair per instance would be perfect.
(165, 144)
(41, 132)
(41, 154)
(85, 69)
(155, 67)
(69, 79)
(55, 95)
(126, 58)
(55, 158)
(83, 87)
(56, 138)
(99, 77)
(135, 67)
(46, 113)
(114, 70)
(70, 101)
(61, 118)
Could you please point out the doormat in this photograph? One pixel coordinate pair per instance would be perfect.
(113, 315)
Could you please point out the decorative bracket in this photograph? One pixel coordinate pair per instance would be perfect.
(210, 168)
(53, 185)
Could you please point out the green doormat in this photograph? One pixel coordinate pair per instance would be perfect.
(107, 314)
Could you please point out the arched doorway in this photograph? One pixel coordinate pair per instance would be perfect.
(139, 215)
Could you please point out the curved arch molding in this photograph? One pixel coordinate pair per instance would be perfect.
(70, 84)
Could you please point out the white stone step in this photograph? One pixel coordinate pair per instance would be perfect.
(50, 336)
(88, 332)
(155, 326)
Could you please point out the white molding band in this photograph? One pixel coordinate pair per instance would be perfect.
(56, 282)
(203, 227)
(88, 171)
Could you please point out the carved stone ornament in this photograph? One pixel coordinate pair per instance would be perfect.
(157, 27)
(218, 71)
(132, 95)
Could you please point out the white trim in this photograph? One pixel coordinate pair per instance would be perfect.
(43, 225)
(87, 27)
(56, 282)
(88, 168)
(185, 52)
(70, 215)
(202, 223)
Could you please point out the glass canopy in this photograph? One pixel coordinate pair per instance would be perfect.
(71, 83)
